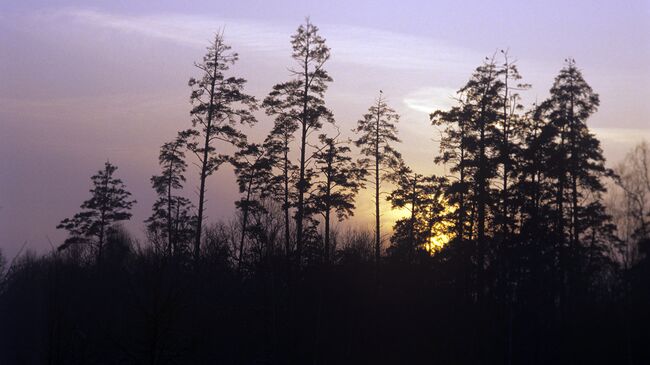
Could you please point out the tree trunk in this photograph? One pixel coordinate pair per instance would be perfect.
(377, 223)
(169, 211)
(328, 195)
(506, 156)
(412, 228)
(462, 209)
(244, 223)
(302, 183)
(574, 177)
(204, 163)
(327, 234)
(481, 198)
(285, 207)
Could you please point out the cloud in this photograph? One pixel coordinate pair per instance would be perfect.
(623, 136)
(429, 99)
(356, 45)
(188, 30)
(392, 50)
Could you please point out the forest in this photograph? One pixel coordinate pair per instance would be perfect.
(531, 250)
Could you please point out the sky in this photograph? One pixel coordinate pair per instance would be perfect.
(82, 82)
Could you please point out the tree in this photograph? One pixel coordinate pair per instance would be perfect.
(578, 155)
(280, 184)
(482, 93)
(565, 228)
(511, 123)
(377, 134)
(471, 140)
(109, 203)
(455, 150)
(338, 182)
(301, 101)
(218, 105)
(424, 198)
(253, 164)
(633, 178)
(172, 219)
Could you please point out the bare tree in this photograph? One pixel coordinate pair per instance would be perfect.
(633, 178)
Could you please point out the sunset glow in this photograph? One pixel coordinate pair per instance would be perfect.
(441, 230)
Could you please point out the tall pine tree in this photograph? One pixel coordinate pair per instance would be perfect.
(218, 106)
(377, 132)
(300, 101)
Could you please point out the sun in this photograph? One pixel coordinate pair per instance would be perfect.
(441, 230)
(441, 233)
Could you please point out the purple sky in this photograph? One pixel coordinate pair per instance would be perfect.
(84, 81)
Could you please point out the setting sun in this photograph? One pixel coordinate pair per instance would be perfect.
(440, 231)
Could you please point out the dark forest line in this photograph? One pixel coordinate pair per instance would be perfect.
(532, 250)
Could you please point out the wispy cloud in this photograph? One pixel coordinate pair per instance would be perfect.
(356, 45)
(189, 30)
(380, 48)
(429, 99)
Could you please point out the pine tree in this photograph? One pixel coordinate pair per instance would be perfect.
(301, 101)
(253, 164)
(455, 150)
(579, 157)
(576, 168)
(482, 98)
(338, 181)
(510, 124)
(218, 106)
(471, 141)
(172, 219)
(377, 134)
(109, 203)
(281, 183)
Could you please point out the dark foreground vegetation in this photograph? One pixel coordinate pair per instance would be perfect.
(520, 255)
(144, 308)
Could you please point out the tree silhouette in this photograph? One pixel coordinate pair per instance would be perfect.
(455, 150)
(482, 98)
(579, 157)
(253, 164)
(218, 105)
(511, 123)
(338, 181)
(576, 166)
(109, 203)
(171, 219)
(472, 141)
(301, 101)
(377, 133)
(277, 143)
